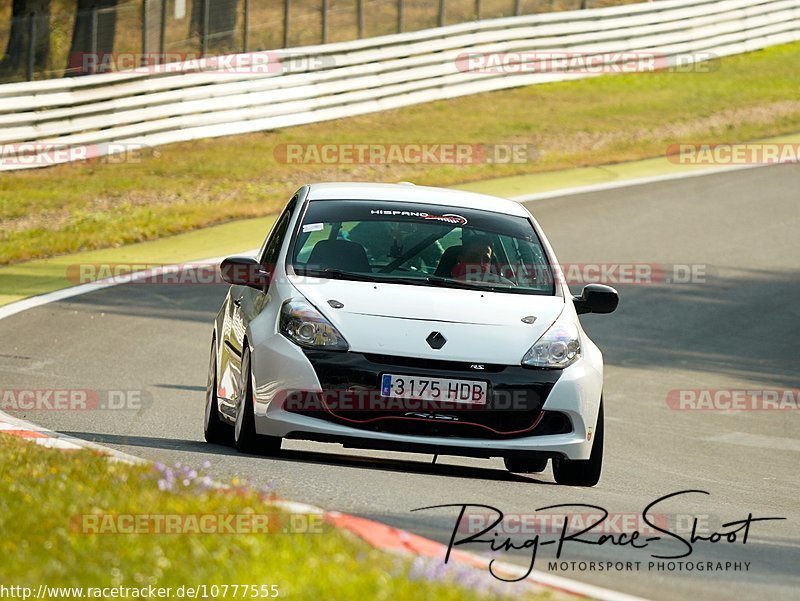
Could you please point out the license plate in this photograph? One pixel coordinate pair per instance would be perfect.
(443, 390)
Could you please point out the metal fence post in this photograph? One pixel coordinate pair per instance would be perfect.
(401, 9)
(145, 19)
(518, 7)
(584, 4)
(93, 47)
(204, 32)
(360, 11)
(324, 21)
(286, 6)
(245, 26)
(477, 10)
(32, 45)
(162, 34)
(441, 12)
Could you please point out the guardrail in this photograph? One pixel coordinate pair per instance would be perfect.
(200, 28)
(54, 121)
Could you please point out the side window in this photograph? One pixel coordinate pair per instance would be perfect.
(272, 248)
(308, 239)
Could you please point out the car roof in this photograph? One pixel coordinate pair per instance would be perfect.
(415, 194)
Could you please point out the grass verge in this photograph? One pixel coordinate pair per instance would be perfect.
(595, 121)
(59, 512)
(31, 278)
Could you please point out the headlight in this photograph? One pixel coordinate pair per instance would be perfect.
(558, 347)
(304, 325)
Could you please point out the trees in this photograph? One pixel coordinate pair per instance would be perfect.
(28, 17)
(94, 31)
(221, 22)
(92, 34)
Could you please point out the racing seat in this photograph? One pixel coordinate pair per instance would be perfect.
(449, 260)
(343, 255)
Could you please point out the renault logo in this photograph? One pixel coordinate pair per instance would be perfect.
(436, 340)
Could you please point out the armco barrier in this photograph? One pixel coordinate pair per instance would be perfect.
(112, 111)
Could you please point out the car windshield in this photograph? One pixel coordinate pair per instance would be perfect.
(418, 244)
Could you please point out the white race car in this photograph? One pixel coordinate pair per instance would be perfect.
(408, 318)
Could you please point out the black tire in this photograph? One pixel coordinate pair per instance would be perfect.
(525, 465)
(583, 472)
(215, 430)
(245, 438)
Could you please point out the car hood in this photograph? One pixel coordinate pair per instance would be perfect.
(396, 319)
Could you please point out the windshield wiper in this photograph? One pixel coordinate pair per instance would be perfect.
(438, 281)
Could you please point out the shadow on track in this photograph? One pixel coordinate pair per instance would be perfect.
(742, 325)
(314, 457)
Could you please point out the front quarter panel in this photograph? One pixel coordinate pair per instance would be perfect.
(580, 387)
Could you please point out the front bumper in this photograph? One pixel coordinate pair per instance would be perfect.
(351, 382)
(548, 412)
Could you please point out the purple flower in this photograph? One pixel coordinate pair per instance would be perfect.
(185, 477)
(435, 570)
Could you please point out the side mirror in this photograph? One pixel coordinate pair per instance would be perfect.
(596, 298)
(244, 271)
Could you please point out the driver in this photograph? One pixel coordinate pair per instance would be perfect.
(475, 262)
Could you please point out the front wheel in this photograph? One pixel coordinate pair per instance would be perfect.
(245, 437)
(583, 472)
(215, 430)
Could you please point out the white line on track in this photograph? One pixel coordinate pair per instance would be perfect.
(65, 441)
(625, 183)
(58, 295)
(758, 441)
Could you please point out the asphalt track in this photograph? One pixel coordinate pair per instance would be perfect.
(739, 329)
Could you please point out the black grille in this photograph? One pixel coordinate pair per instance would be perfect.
(514, 404)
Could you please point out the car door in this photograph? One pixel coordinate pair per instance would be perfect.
(246, 302)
